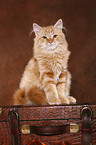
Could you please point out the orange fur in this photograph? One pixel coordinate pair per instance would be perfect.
(19, 97)
(37, 96)
(46, 79)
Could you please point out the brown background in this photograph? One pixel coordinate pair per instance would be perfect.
(16, 19)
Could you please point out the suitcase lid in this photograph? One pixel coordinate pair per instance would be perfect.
(55, 112)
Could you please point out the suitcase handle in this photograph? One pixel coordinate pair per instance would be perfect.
(50, 130)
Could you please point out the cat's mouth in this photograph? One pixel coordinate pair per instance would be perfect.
(51, 47)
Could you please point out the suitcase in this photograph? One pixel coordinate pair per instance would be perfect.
(48, 125)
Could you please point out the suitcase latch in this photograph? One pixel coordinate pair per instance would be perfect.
(74, 128)
(0, 111)
(25, 129)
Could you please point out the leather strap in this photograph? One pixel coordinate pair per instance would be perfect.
(14, 129)
(86, 125)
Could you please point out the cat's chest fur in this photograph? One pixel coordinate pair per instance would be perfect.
(57, 69)
(56, 63)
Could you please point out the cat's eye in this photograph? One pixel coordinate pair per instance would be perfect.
(54, 36)
(44, 37)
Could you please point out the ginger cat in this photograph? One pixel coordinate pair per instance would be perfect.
(46, 79)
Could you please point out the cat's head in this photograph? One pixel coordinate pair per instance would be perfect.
(49, 37)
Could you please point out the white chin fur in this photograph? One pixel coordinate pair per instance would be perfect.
(51, 47)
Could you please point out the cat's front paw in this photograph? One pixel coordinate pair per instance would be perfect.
(64, 100)
(72, 100)
(54, 101)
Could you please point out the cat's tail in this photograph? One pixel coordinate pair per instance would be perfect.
(19, 97)
(35, 96)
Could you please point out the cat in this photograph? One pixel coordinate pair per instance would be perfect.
(46, 79)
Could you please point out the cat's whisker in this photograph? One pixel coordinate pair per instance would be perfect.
(30, 34)
(64, 28)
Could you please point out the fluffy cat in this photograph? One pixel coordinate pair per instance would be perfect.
(46, 79)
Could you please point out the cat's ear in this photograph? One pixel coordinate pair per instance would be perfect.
(36, 28)
(59, 25)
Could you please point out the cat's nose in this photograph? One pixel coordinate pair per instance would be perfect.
(50, 40)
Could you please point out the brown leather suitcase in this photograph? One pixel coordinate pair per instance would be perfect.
(48, 125)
